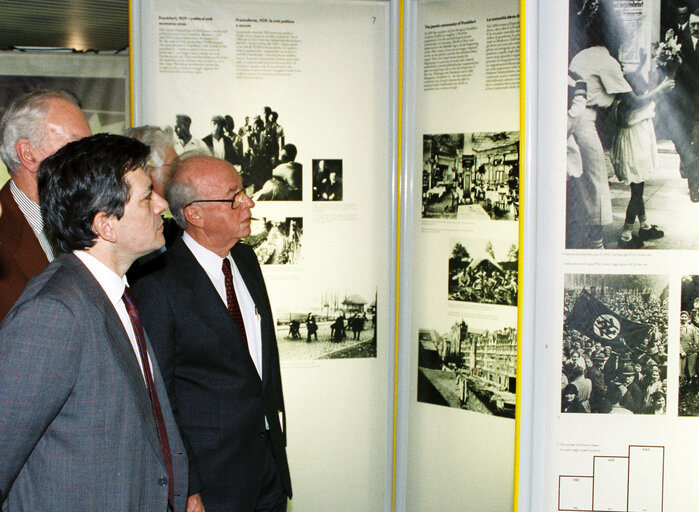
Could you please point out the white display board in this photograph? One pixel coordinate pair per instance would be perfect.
(323, 67)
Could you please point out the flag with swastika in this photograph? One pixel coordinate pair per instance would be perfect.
(595, 320)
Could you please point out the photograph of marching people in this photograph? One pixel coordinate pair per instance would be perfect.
(327, 180)
(256, 146)
(332, 326)
(614, 356)
(471, 176)
(633, 88)
(276, 241)
(484, 270)
(689, 347)
(468, 364)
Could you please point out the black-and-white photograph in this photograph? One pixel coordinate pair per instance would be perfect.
(468, 368)
(256, 146)
(689, 347)
(614, 353)
(484, 271)
(327, 180)
(632, 121)
(335, 326)
(471, 176)
(276, 241)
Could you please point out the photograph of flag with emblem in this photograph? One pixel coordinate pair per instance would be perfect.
(614, 357)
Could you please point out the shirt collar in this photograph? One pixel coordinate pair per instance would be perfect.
(111, 283)
(209, 261)
(29, 208)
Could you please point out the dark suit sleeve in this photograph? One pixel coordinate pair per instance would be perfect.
(159, 319)
(39, 363)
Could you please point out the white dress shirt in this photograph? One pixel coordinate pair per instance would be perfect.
(212, 264)
(113, 287)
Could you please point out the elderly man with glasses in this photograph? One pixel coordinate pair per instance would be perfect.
(209, 319)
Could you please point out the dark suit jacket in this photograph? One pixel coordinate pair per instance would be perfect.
(77, 429)
(21, 256)
(219, 400)
(230, 153)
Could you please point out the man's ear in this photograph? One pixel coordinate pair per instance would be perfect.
(192, 215)
(104, 226)
(27, 154)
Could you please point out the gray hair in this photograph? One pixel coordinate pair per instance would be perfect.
(158, 139)
(179, 193)
(24, 119)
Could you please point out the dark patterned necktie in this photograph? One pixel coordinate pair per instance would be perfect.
(232, 300)
(154, 402)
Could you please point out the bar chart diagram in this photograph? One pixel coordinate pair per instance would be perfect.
(630, 483)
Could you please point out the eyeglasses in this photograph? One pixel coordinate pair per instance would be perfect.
(236, 201)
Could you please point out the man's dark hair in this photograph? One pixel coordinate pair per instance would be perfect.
(82, 179)
(290, 151)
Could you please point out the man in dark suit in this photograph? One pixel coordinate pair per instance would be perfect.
(209, 318)
(34, 126)
(219, 144)
(86, 423)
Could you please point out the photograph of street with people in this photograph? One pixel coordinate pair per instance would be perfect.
(471, 176)
(615, 338)
(335, 326)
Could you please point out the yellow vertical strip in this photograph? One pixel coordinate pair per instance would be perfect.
(131, 37)
(520, 259)
(399, 139)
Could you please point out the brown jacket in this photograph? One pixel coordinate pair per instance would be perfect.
(21, 256)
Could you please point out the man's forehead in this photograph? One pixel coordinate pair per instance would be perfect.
(693, 18)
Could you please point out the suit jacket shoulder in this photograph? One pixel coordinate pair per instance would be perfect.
(21, 256)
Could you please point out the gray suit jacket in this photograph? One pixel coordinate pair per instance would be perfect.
(76, 428)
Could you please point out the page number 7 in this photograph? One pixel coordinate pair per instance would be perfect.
(373, 20)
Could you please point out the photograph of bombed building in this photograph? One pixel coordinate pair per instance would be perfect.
(473, 369)
(483, 271)
(276, 241)
(336, 326)
(614, 354)
(471, 176)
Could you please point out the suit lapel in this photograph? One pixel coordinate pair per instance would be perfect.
(119, 343)
(205, 300)
(248, 273)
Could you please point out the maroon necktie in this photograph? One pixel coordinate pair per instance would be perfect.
(232, 300)
(154, 402)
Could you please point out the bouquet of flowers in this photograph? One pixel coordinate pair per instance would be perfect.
(667, 55)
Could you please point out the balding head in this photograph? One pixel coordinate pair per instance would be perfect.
(207, 200)
(46, 119)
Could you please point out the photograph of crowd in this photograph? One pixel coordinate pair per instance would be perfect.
(632, 124)
(614, 357)
(689, 347)
(338, 326)
(468, 368)
(471, 176)
(258, 149)
(483, 272)
(327, 180)
(276, 241)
